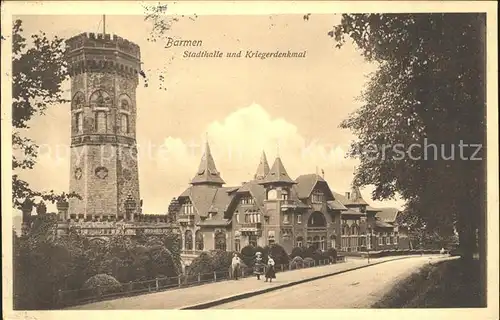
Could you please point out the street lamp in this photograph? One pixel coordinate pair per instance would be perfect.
(129, 207)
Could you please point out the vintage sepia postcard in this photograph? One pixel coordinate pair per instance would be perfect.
(340, 157)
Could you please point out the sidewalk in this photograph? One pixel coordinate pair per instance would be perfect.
(207, 295)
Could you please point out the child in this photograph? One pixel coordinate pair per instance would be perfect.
(270, 273)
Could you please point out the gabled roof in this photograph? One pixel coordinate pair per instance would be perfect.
(277, 174)
(387, 214)
(352, 212)
(336, 205)
(256, 190)
(382, 224)
(306, 183)
(354, 199)
(263, 168)
(207, 172)
(207, 199)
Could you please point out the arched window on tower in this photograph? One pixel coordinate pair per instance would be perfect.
(124, 123)
(79, 122)
(101, 122)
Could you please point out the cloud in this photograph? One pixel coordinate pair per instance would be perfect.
(236, 142)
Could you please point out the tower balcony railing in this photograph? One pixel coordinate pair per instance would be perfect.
(250, 226)
(288, 204)
(187, 219)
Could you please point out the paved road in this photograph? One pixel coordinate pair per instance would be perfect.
(174, 299)
(355, 289)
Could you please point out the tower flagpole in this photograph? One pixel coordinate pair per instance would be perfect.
(103, 24)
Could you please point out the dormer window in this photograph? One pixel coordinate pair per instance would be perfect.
(317, 196)
(187, 208)
(248, 200)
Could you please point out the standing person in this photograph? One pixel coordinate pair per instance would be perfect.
(270, 273)
(259, 266)
(235, 265)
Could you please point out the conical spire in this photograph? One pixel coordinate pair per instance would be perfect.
(356, 196)
(277, 174)
(207, 172)
(263, 168)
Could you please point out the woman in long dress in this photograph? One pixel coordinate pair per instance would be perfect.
(270, 273)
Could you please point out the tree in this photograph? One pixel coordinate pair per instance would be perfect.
(297, 252)
(38, 70)
(277, 252)
(429, 88)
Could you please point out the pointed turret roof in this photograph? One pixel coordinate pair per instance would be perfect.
(263, 168)
(207, 172)
(277, 174)
(356, 197)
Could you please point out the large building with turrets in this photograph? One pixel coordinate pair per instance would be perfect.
(274, 208)
(270, 208)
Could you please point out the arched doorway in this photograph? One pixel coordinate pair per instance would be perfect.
(316, 220)
(316, 231)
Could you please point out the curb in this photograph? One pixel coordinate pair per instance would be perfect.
(213, 303)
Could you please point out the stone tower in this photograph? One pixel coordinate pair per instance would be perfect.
(104, 77)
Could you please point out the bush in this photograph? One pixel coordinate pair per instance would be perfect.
(308, 252)
(278, 253)
(297, 252)
(248, 254)
(332, 254)
(203, 265)
(319, 255)
(296, 263)
(308, 262)
(222, 260)
(105, 282)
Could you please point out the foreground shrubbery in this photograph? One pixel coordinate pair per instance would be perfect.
(44, 264)
(207, 263)
(104, 283)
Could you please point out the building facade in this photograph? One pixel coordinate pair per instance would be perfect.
(273, 208)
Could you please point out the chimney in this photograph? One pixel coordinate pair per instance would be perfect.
(348, 195)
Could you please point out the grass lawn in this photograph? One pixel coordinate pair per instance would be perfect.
(448, 284)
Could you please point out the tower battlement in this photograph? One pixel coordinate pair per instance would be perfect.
(103, 41)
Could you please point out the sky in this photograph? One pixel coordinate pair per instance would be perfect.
(288, 106)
